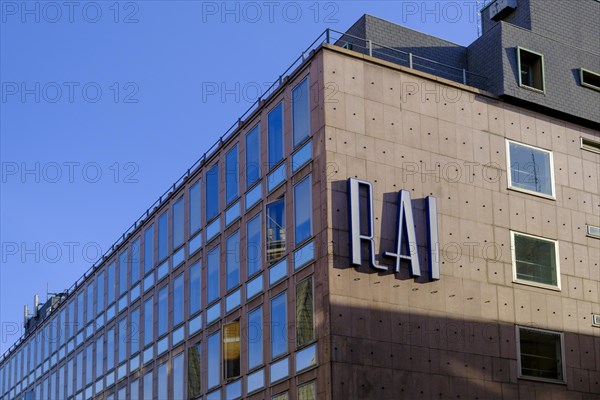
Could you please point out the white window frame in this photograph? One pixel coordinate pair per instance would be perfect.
(521, 84)
(590, 231)
(562, 355)
(591, 145)
(581, 71)
(509, 174)
(514, 262)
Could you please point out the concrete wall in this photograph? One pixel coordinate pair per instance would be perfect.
(393, 336)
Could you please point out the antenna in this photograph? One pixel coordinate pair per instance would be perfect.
(36, 304)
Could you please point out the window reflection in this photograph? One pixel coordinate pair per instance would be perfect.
(231, 175)
(303, 210)
(252, 156)
(195, 207)
(300, 112)
(278, 325)
(195, 299)
(194, 371)
(233, 261)
(178, 300)
(275, 135)
(276, 230)
(212, 289)
(212, 192)
(255, 338)
(254, 245)
(178, 223)
(304, 312)
(163, 234)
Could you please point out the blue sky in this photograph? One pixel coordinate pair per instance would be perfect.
(104, 105)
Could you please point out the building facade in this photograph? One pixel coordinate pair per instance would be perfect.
(369, 231)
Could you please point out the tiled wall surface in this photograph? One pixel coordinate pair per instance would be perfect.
(393, 336)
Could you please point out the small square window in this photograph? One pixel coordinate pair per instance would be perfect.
(540, 354)
(530, 169)
(593, 231)
(535, 261)
(531, 69)
(589, 79)
(590, 145)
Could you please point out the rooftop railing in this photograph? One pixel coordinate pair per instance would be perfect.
(328, 36)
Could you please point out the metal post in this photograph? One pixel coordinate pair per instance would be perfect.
(410, 62)
(327, 35)
(370, 48)
(464, 76)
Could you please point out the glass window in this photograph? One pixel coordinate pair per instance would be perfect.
(303, 210)
(110, 284)
(231, 350)
(122, 345)
(163, 236)
(148, 388)
(134, 330)
(278, 325)
(212, 192)
(90, 302)
(214, 357)
(212, 289)
(195, 288)
(149, 249)
(194, 371)
(304, 312)
(79, 372)
(231, 175)
(534, 260)
(178, 300)
(110, 349)
(275, 230)
(540, 354)
(134, 390)
(281, 396)
(99, 357)
(100, 293)
(89, 362)
(70, 327)
(276, 135)
(148, 322)
(178, 377)
(530, 169)
(255, 339)
(178, 223)
(163, 381)
(122, 272)
(70, 376)
(301, 112)
(80, 301)
(135, 261)
(254, 245)
(233, 260)
(531, 69)
(307, 391)
(252, 156)
(163, 309)
(195, 207)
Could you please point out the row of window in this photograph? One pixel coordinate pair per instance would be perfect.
(132, 272)
(532, 76)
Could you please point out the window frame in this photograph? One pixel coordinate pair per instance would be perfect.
(588, 85)
(514, 262)
(589, 145)
(520, 375)
(552, 196)
(298, 143)
(521, 84)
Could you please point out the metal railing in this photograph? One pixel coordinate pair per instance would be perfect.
(327, 36)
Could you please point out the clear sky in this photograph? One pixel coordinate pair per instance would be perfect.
(105, 104)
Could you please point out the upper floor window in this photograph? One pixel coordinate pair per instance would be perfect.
(149, 249)
(276, 230)
(275, 135)
(540, 354)
(178, 223)
(212, 290)
(301, 112)
(535, 260)
(589, 79)
(531, 69)
(530, 169)
(123, 272)
(195, 288)
(135, 261)
(110, 283)
(231, 350)
(278, 325)
(163, 235)
(252, 156)
(212, 192)
(195, 206)
(231, 175)
(303, 210)
(254, 245)
(232, 261)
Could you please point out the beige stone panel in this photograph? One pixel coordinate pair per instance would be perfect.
(392, 124)
(384, 152)
(335, 109)
(506, 304)
(554, 311)
(578, 220)
(569, 314)
(365, 147)
(559, 137)
(539, 310)
(355, 113)
(498, 154)
(501, 209)
(517, 214)
(495, 113)
(543, 129)
(479, 112)
(448, 139)
(353, 73)
(430, 134)
(345, 142)
(464, 142)
(594, 263)
(512, 123)
(431, 96)
(447, 105)
(481, 147)
(590, 291)
(527, 128)
(333, 70)
(575, 172)
(373, 82)
(561, 170)
(356, 168)
(522, 306)
(565, 233)
(566, 257)
(411, 129)
(580, 261)
(573, 133)
(591, 176)
(472, 299)
(533, 217)
(374, 119)
(391, 88)
(411, 96)
(549, 220)
(584, 311)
